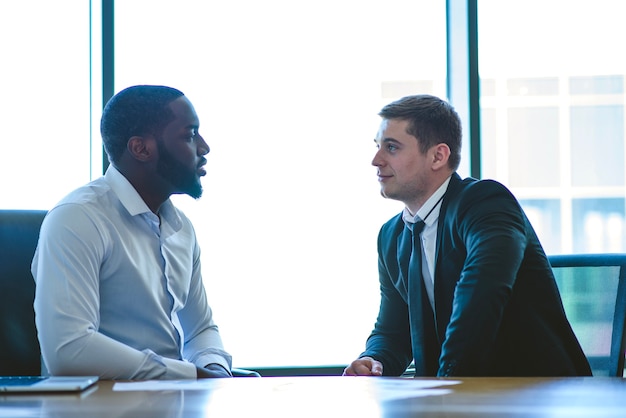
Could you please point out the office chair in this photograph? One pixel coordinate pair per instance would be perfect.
(593, 289)
(19, 348)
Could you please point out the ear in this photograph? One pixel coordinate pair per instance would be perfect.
(440, 156)
(141, 148)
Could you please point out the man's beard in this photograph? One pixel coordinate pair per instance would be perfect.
(184, 180)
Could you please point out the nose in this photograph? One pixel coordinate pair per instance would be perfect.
(377, 160)
(203, 147)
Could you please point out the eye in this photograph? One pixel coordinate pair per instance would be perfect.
(391, 147)
(191, 135)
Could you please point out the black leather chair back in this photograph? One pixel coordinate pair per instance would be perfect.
(19, 348)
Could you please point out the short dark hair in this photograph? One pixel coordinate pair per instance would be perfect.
(137, 110)
(431, 120)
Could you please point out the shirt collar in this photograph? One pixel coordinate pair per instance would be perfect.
(430, 209)
(132, 201)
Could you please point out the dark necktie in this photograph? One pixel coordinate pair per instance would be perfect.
(421, 319)
(415, 261)
(416, 252)
(415, 298)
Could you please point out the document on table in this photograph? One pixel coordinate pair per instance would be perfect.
(379, 388)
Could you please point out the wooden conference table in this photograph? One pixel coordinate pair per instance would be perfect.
(328, 397)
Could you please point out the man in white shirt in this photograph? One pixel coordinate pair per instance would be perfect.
(119, 290)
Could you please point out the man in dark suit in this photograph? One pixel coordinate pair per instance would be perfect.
(466, 288)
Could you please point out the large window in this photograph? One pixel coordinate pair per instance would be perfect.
(287, 93)
(552, 77)
(45, 111)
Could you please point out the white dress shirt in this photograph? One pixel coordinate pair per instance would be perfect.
(430, 210)
(119, 291)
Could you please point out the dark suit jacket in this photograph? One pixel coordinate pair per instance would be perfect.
(498, 311)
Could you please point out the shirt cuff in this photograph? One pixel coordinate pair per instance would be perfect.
(215, 356)
(179, 369)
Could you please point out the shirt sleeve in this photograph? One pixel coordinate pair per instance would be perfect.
(66, 269)
(203, 343)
